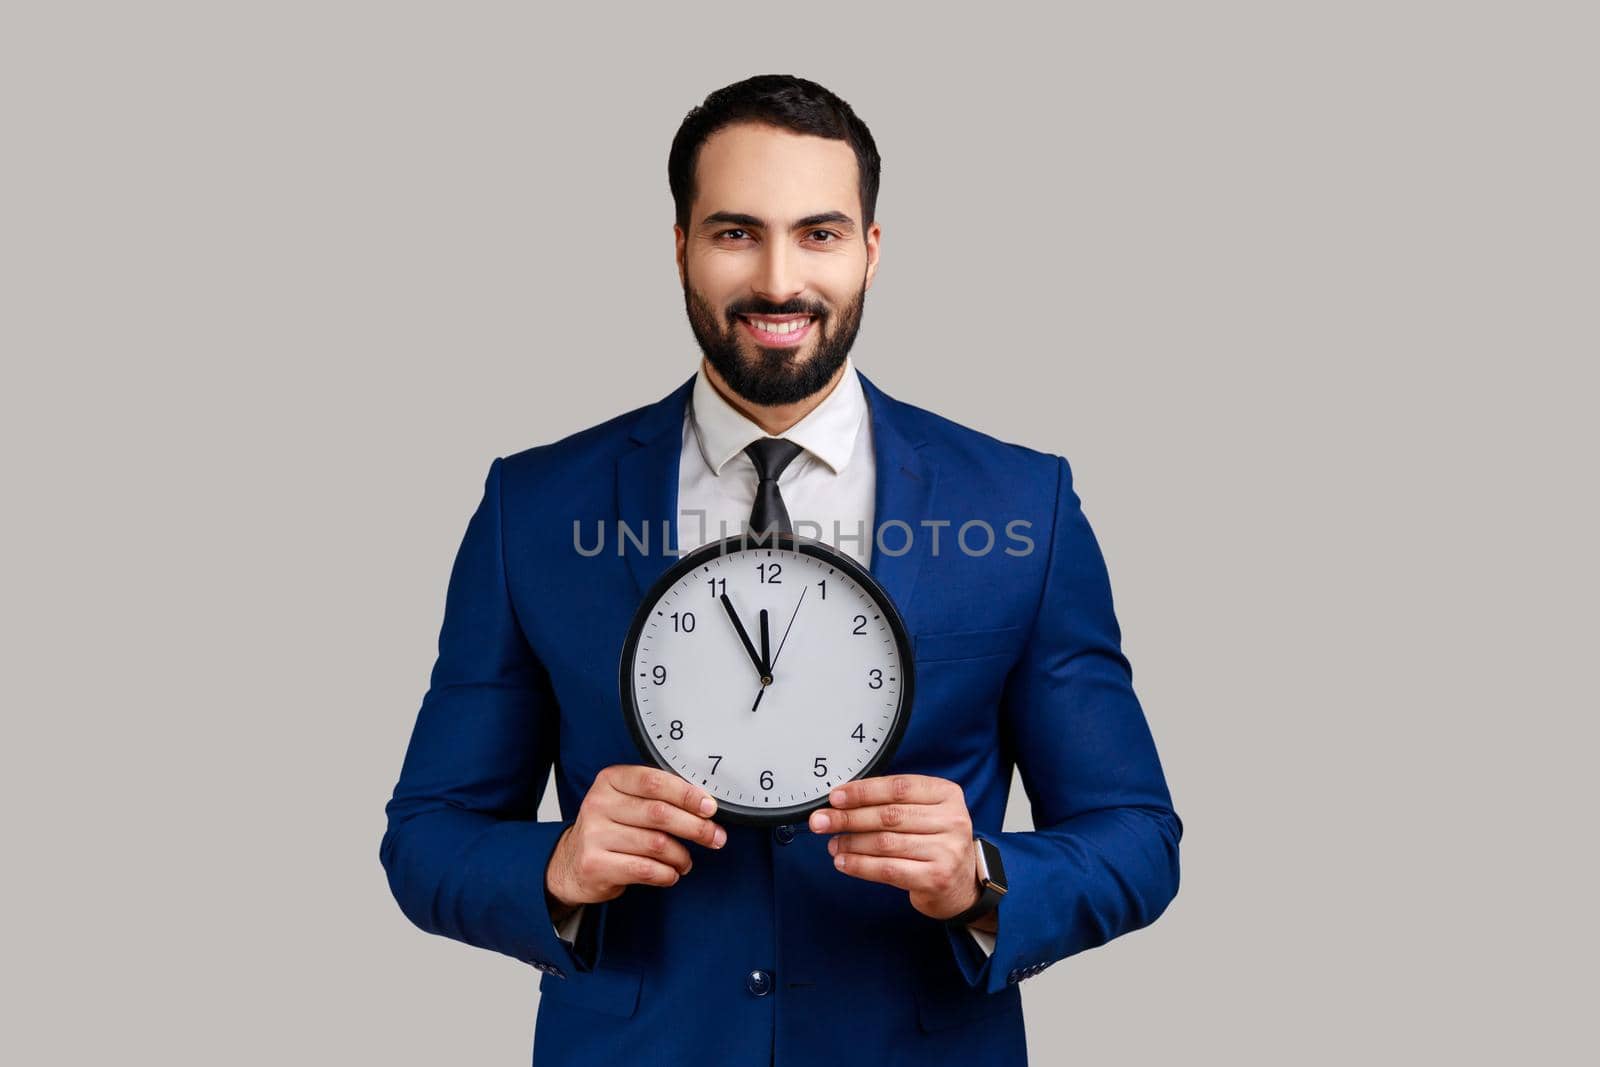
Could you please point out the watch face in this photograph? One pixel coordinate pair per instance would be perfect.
(767, 675)
(991, 870)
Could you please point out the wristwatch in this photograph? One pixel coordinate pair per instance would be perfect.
(991, 883)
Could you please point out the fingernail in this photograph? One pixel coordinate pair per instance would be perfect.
(707, 805)
(689, 868)
(836, 797)
(819, 821)
(838, 861)
(719, 838)
(833, 846)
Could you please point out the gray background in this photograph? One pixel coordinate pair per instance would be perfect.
(1302, 292)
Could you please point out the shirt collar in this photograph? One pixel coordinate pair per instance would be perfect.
(828, 431)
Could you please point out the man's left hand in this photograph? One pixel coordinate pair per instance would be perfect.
(911, 831)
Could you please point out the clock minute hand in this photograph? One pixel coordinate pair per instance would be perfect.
(755, 657)
(766, 647)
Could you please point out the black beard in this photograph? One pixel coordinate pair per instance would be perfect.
(774, 375)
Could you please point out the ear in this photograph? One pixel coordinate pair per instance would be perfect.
(681, 244)
(874, 235)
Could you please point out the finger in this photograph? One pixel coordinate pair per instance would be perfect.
(654, 784)
(620, 868)
(602, 867)
(651, 844)
(888, 844)
(894, 789)
(660, 815)
(903, 818)
(910, 875)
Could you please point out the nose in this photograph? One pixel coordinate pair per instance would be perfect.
(778, 279)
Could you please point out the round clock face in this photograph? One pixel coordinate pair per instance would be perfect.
(768, 675)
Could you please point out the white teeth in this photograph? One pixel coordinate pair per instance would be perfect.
(779, 327)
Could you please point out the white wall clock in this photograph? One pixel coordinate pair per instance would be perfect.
(767, 672)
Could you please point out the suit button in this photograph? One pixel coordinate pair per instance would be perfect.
(1011, 979)
(783, 834)
(758, 982)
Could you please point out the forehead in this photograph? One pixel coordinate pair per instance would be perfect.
(775, 173)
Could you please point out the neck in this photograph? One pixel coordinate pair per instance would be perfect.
(773, 418)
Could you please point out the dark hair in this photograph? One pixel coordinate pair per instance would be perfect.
(781, 100)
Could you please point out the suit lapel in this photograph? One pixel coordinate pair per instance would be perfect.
(647, 486)
(904, 493)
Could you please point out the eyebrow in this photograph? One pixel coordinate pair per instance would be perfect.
(736, 218)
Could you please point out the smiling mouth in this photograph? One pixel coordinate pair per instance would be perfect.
(790, 330)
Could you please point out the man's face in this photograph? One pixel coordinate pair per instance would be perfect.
(775, 240)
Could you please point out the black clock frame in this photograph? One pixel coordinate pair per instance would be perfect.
(730, 811)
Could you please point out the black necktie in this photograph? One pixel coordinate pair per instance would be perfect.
(770, 455)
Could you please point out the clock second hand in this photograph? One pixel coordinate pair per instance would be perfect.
(786, 630)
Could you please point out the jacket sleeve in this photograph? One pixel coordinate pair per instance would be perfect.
(463, 850)
(1103, 857)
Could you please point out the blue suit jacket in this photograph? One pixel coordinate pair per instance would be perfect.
(1018, 664)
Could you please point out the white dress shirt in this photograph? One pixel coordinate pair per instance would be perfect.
(828, 488)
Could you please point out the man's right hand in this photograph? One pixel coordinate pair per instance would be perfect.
(627, 833)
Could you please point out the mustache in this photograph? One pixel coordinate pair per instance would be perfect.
(793, 307)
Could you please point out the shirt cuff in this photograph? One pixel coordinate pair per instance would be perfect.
(567, 929)
(984, 939)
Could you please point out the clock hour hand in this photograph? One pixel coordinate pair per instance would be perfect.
(755, 657)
